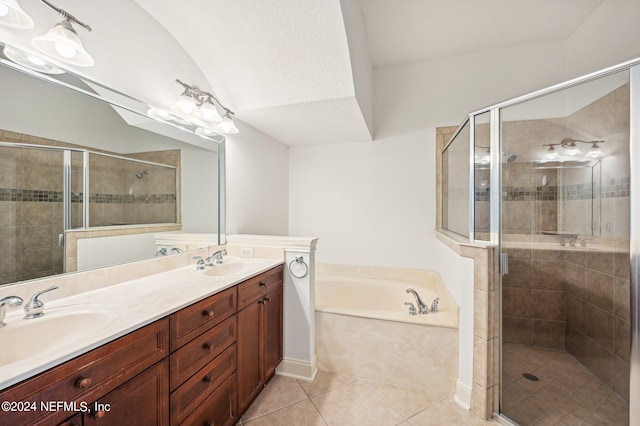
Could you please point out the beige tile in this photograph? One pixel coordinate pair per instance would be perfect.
(354, 404)
(408, 401)
(446, 412)
(325, 381)
(300, 413)
(280, 392)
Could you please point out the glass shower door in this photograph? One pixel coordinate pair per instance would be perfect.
(564, 226)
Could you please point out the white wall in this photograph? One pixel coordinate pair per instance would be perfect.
(608, 36)
(257, 175)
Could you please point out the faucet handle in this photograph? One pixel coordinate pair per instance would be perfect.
(34, 308)
(412, 308)
(434, 304)
(199, 263)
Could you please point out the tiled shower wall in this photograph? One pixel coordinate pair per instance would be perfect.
(572, 300)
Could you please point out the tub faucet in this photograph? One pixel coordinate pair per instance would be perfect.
(12, 301)
(412, 309)
(421, 306)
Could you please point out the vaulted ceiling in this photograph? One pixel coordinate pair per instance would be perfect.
(300, 71)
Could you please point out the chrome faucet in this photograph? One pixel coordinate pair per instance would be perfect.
(216, 257)
(421, 306)
(573, 240)
(34, 308)
(412, 309)
(434, 304)
(12, 301)
(199, 263)
(177, 250)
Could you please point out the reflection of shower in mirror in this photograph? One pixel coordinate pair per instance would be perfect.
(142, 173)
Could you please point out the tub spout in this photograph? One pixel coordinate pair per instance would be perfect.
(421, 305)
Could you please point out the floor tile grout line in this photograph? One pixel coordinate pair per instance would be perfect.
(318, 411)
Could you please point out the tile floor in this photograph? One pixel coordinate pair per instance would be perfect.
(333, 399)
(567, 393)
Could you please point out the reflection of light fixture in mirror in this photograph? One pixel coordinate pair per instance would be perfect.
(29, 60)
(480, 157)
(595, 151)
(62, 42)
(552, 154)
(569, 144)
(12, 15)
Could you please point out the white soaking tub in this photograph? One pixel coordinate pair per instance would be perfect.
(363, 327)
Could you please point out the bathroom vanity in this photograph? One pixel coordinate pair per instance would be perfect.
(203, 363)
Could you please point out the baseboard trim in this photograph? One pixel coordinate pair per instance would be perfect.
(303, 370)
(463, 395)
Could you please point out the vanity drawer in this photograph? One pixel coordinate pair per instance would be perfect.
(198, 388)
(190, 358)
(219, 409)
(89, 376)
(194, 320)
(256, 287)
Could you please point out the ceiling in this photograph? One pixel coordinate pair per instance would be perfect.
(299, 71)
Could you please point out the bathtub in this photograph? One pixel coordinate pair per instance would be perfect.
(363, 328)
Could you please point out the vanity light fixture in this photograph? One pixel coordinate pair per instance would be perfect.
(62, 42)
(12, 15)
(198, 106)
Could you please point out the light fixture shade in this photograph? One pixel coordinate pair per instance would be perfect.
(62, 43)
(227, 126)
(209, 112)
(595, 152)
(12, 15)
(30, 60)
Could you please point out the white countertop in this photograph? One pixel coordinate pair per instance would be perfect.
(132, 305)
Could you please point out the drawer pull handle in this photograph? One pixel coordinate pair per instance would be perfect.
(262, 284)
(261, 301)
(207, 346)
(209, 314)
(208, 423)
(83, 382)
(99, 414)
(266, 299)
(207, 380)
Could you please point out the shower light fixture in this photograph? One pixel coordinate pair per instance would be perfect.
(571, 149)
(12, 15)
(62, 42)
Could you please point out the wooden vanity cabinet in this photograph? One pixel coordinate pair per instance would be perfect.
(259, 333)
(201, 365)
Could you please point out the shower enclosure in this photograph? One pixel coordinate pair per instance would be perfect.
(42, 195)
(554, 185)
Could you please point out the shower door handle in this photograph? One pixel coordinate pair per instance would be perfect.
(504, 263)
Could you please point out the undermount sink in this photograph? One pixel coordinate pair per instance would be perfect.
(233, 268)
(22, 339)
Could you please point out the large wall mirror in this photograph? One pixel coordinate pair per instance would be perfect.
(88, 179)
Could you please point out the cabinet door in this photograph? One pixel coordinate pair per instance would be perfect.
(142, 401)
(249, 346)
(272, 331)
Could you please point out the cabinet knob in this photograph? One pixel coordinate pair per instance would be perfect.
(262, 284)
(208, 423)
(261, 301)
(266, 299)
(207, 346)
(207, 379)
(209, 314)
(99, 414)
(83, 382)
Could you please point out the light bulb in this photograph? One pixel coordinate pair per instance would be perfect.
(35, 60)
(4, 9)
(64, 50)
